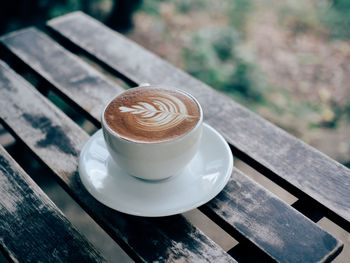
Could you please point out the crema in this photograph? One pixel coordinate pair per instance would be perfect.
(152, 114)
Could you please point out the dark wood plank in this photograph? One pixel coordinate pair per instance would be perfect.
(57, 141)
(236, 216)
(257, 141)
(32, 228)
(280, 231)
(75, 78)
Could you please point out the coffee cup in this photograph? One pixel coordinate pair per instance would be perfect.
(152, 132)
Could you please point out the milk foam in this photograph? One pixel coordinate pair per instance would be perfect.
(152, 114)
(159, 114)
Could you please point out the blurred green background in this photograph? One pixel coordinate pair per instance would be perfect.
(289, 61)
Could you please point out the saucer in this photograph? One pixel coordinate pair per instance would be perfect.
(200, 181)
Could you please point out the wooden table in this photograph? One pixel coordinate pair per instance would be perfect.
(31, 226)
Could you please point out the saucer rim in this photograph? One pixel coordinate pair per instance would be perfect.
(185, 208)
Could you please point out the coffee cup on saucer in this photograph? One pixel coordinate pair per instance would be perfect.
(152, 132)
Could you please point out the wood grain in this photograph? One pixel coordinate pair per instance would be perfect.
(270, 221)
(67, 74)
(257, 141)
(280, 231)
(32, 228)
(57, 141)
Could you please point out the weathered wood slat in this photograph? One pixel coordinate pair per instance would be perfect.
(280, 231)
(242, 218)
(73, 77)
(259, 141)
(57, 141)
(32, 228)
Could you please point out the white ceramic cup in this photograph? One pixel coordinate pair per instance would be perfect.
(153, 161)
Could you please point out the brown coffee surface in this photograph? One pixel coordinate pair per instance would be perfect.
(152, 114)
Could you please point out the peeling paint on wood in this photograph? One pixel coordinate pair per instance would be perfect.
(32, 228)
(65, 71)
(272, 225)
(169, 239)
(40, 123)
(302, 166)
(251, 218)
(54, 135)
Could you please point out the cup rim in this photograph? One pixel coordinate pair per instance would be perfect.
(182, 137)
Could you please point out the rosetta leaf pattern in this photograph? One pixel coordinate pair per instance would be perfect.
(159, 114)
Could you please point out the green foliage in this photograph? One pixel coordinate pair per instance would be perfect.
(337, 18)
(151, 6)
(298, 16)
(214, 58)
(182, 6)
(224, 43)
(186, 6)
(59, 9)
(316, 15)
(347, 110)
(238, 11)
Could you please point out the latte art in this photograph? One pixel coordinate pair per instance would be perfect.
(160, 114)
(152, 114)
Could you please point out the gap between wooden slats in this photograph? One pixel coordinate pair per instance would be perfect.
(31, 226)
(224, 239)
(257, 238)
(44, 178)
(272, 151)
(35, 119)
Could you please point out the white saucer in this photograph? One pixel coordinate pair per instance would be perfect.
(203, 178)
